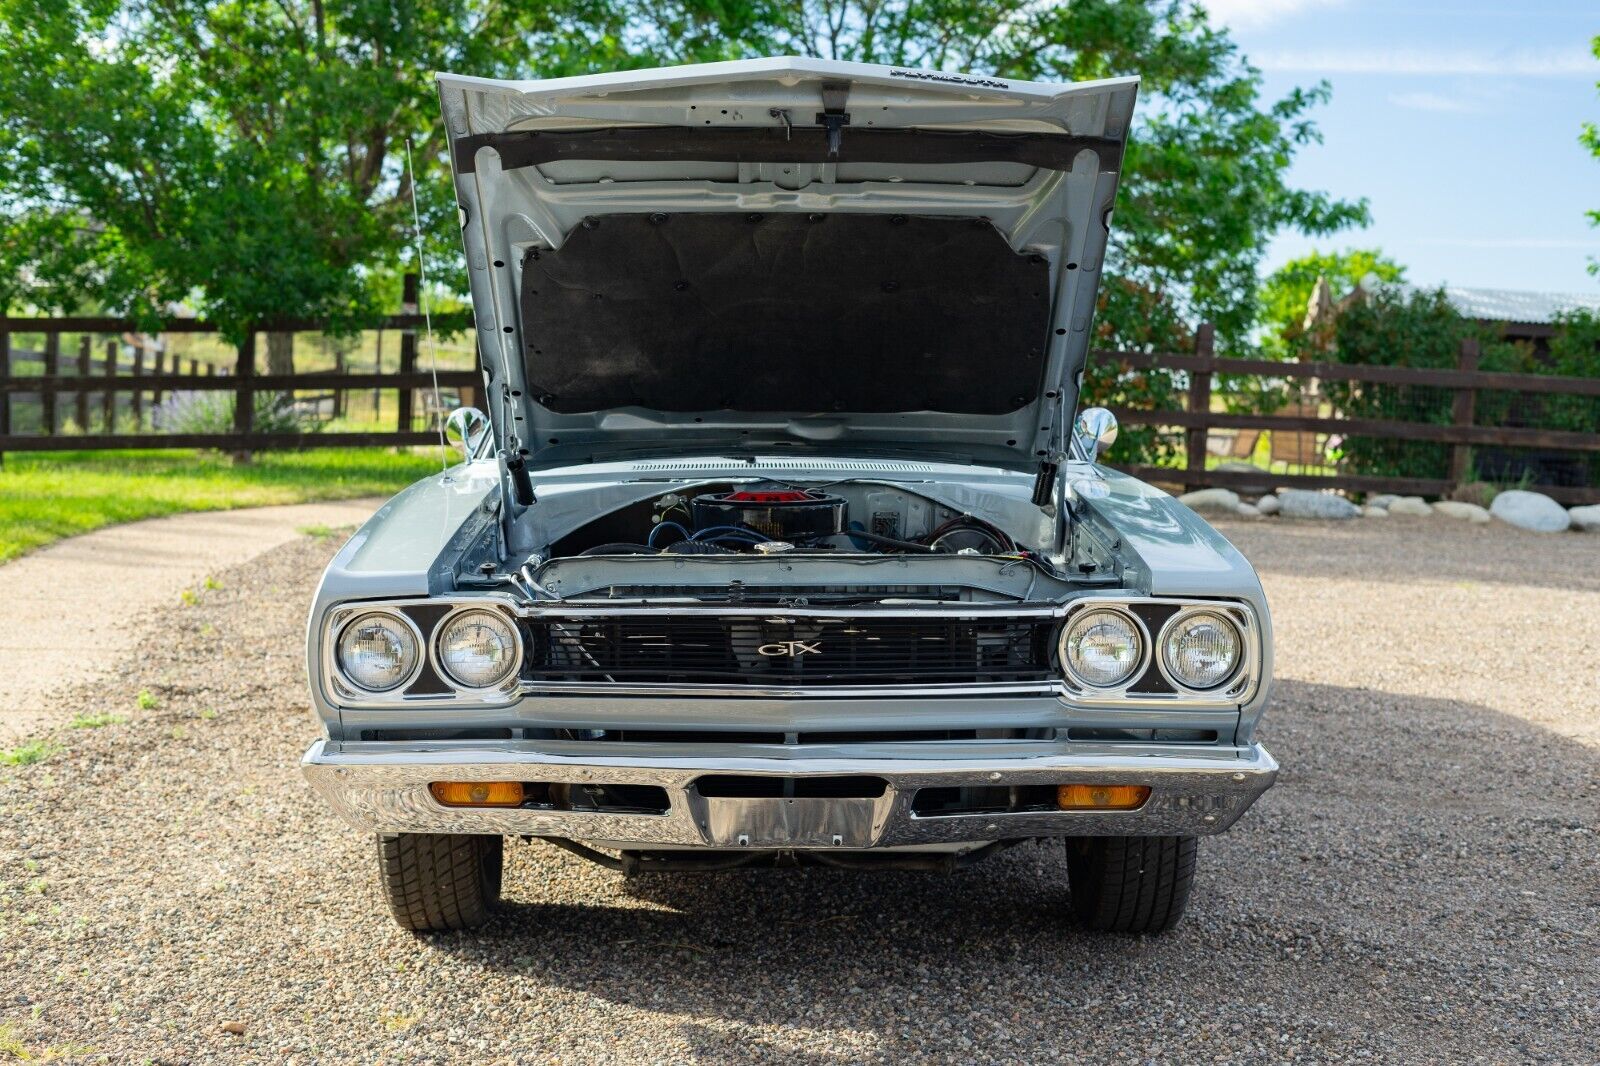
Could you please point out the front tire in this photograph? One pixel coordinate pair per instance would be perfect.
(439, 881)
(1130, 884)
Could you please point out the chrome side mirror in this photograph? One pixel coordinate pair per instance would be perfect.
(1094, 433)
(468, 430)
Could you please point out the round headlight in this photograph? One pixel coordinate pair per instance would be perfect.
(1102, 648)
(1201, 650)
(478, 649)
(377, 652)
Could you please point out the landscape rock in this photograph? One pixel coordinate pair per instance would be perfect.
(1383, 499)
(1303, 503)
(1410, 505)
(1245, 510)
(1468, 512)
(1215, 501)
(1268, 504)
(1371, 511)
(1586, 519)
(1532, 511)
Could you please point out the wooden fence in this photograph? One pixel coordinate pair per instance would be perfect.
(74, 380)
(1462, 435)
(88, 383)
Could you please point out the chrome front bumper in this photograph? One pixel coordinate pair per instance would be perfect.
(383, 787)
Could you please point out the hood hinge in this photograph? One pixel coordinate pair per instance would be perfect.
(833, 117)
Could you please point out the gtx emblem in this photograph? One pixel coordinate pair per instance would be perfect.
(791, 648)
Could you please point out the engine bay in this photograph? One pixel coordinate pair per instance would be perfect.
(774, 518)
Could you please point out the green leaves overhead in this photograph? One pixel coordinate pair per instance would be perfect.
(246, 157)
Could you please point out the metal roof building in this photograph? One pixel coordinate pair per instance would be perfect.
(1514, 305)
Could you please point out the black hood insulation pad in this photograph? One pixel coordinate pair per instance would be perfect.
(785, 313)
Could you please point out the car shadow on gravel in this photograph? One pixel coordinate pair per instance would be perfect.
(1422, 863)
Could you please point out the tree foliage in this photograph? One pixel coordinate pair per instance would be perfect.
(245, 155)
(1286, 293)
(1420, 328)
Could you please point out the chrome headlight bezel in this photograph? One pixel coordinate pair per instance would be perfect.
(426, 684)
(508, 682)
(1171, 675)
(401, 622)
(1141, 635)
(1152, 687)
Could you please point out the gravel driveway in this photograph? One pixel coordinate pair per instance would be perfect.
(1422, 884)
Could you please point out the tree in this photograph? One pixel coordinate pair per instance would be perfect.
(1590, 139)
(1287, 291)
(244, 155)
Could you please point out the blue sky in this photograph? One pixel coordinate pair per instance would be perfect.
(1457, 119)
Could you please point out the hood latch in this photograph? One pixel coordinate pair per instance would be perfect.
(833, 117)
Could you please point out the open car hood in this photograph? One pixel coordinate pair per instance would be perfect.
(784, 255)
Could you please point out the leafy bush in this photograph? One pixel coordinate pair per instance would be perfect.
(1422, 329)
(1389, 328)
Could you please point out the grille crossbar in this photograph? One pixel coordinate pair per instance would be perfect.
(754, 650)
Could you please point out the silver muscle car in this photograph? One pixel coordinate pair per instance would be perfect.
(783, 541)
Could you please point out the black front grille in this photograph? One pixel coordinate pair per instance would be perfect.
(787, 651)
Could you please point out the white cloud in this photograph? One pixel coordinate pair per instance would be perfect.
(1260, 12)
(1425, 101)
(1511, 243)
(1512, 62)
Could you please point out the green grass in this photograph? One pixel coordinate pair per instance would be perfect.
(47, 496)
(28, 754)
(96, 721)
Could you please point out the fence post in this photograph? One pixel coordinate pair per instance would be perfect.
(408, 353)
(1200, 405)
(81, 401)
(338, 394)
(161, 368)
(377, 368)
(138, 393)
(47, 393)
(109, 401)
(244, 394)
(5, 396)
(1463, 411)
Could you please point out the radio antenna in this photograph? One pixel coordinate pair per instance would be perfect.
(427, 317)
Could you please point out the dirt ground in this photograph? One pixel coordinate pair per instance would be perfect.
(1423, 883)
(126, 571)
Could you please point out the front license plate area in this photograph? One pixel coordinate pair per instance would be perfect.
(791, 822)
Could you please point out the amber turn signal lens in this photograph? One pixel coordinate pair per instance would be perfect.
(1101, 797)
(477, 793)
